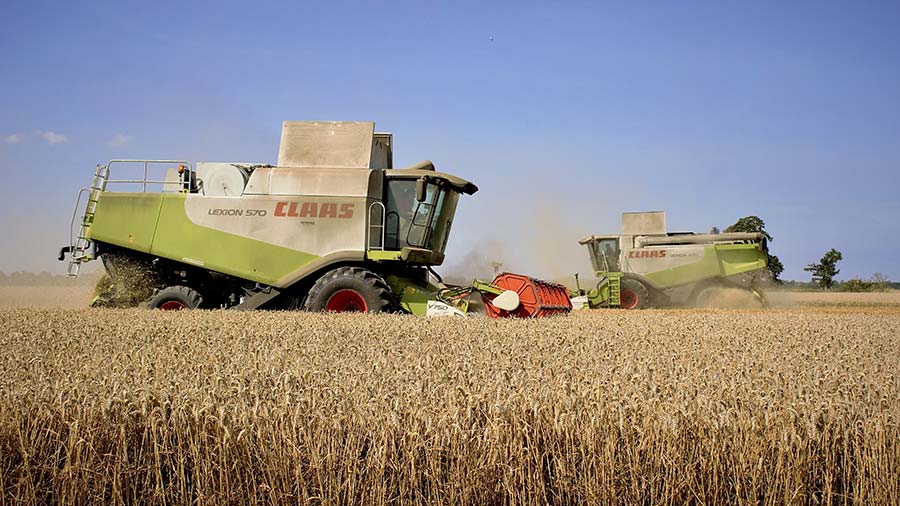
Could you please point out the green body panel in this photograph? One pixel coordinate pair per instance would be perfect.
(738, 258)
(614, 289)
(706, 267)
(720, 260)
(180, 239)
(126, 219)
(413, 296)
(418, 256)
(606, 294)
(383, 256)
(157, 224)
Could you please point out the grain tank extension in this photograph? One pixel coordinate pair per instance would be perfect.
(332, 226)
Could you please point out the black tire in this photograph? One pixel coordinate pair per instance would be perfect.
(706, 296)
(640, 292)
(174, 298)
(347, 289)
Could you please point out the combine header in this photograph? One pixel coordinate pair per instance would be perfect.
(332, 227)
(646, 266)
(536, 298)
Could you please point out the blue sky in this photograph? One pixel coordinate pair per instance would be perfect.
(572, 114)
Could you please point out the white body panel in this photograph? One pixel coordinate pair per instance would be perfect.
(320, 182)
(311, 224)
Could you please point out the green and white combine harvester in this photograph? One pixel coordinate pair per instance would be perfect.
(331, 227)
(646, 266)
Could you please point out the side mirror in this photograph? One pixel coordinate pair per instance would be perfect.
(420, 189)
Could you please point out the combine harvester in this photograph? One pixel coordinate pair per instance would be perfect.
(332, 227)
(646, 266)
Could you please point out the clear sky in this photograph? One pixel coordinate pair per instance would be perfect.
(565, 114)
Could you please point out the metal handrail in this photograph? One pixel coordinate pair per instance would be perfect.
(185, 176)
(375, 226)
(146, 181)
(74, 214)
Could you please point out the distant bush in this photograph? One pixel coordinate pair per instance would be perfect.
(862, 285)
(856, 285)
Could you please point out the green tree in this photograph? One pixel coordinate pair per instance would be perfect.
(755, 224)
(824, 272)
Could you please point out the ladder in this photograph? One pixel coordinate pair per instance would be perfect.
(615, 289)
(81, 245)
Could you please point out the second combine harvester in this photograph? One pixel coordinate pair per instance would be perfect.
(332, 227)
(646, 266)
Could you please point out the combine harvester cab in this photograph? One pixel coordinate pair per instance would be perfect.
(646, 266)
(332, 227)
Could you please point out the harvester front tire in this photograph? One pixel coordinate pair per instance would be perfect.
(634, 295)
(349, 289)
(175, 298)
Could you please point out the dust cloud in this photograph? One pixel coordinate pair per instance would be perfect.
(557, 256)
(728, 298)
(541, 241)
(483, 262)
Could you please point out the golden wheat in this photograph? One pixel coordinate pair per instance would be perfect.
(57, 297)
(650, 407)
(864, 299)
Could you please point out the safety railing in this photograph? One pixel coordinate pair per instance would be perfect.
(376, 226)
(184, 180)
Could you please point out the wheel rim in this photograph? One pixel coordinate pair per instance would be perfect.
(173, 305)
(346, 301)
(628, 299)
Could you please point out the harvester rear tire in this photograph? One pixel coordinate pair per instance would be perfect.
(349, 289)
(175, 298)
(706, 296)
(634, 295)
(718, 296)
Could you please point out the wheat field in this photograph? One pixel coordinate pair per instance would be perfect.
(56, 297)
(793, 406)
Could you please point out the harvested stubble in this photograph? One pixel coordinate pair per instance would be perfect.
(808, 299)
(58, 297)
(651, 407)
